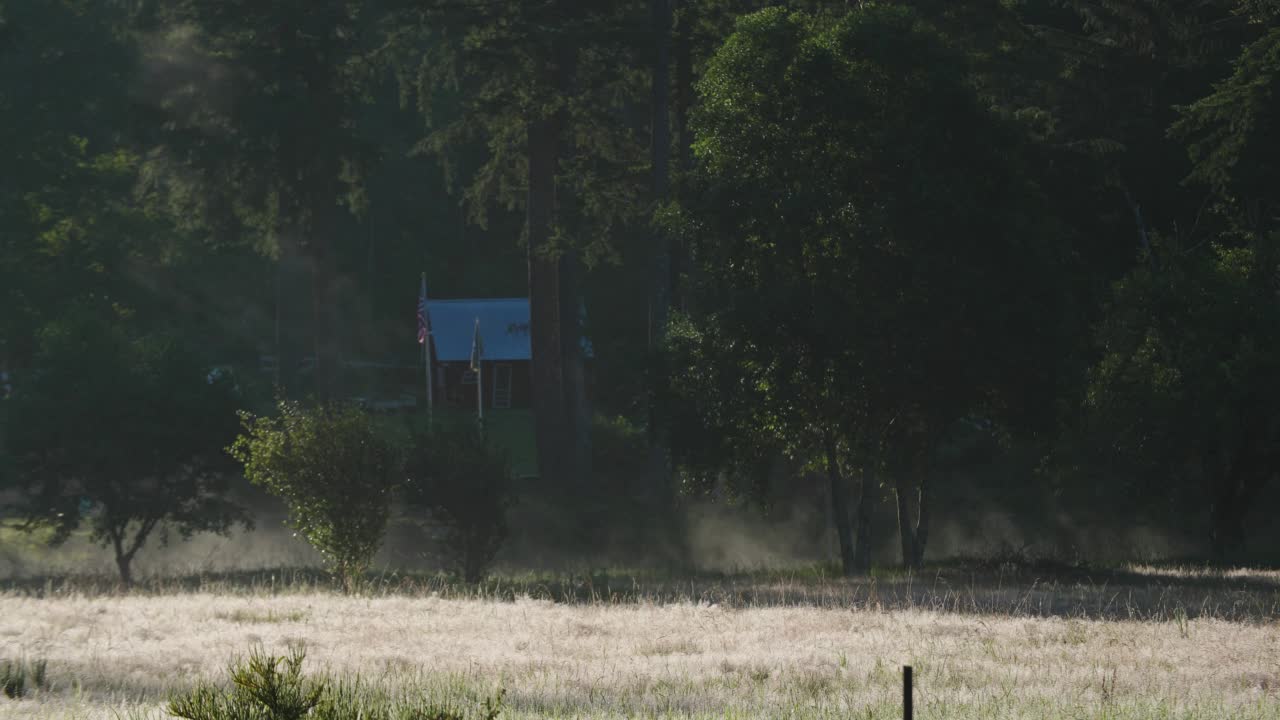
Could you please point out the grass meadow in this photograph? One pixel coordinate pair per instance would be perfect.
(996, 641)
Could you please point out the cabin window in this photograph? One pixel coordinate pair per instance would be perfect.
(469, 377)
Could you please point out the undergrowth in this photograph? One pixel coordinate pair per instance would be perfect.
(1146, 593)
(18, 677)
(269, 687)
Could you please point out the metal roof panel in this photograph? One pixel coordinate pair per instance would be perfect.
(504, 328)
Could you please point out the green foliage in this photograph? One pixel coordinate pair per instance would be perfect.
(1100, 81)
(334, 470)
(19, 677)
(268, 687)
(713, 411)
(258, 98)
(68, 229)
(1179, 402)
(1183, 398)
(254, 146)
(121, 431)
(1230, 133)
(480, 72)
(861, 280)
(617, 443)
(75, 122)
(464, 483)
(903, 221)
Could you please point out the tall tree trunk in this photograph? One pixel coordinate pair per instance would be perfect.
(906, 531)
(682, 103)
(1228, 509)
(840, 508)
(1228, 525)
(549, 411)
(660, 283)
(661, 157)
(577, 404)
(294, 315)
(922, 520)
(280, 378)
(325, 311)
(317, 170)
(684, 86)
(866, 503)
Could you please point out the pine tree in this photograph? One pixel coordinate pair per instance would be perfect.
(545, 88)
(256, 101)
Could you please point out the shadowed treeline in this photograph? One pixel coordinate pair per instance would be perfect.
(1137, 593)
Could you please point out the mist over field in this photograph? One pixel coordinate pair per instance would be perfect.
(720, 539)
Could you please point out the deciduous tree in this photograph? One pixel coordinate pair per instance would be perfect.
(121, 432)
(870, 243)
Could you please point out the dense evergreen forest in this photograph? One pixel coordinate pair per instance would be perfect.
(883, 247)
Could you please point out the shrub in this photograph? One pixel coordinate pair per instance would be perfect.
(334, 470)
(267, 687)
(464, 484)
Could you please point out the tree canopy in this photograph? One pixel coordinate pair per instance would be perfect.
(122, 432)
(831, 240)
(873, 290)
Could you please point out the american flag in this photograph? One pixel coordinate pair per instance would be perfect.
(424, 321)
(477, 347)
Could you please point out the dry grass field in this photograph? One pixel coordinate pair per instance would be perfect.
(1145, 643)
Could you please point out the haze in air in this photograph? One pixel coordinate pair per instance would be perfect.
(676, 358)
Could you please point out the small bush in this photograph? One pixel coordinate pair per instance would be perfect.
(463, 484)
(17, 677)
(264, 688)
(335, 471)
(267, 687)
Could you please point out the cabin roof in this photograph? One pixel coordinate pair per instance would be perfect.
(504, 328)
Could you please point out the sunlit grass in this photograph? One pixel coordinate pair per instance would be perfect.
(1130, 645)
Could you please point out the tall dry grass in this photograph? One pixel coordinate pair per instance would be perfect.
(1002, 643)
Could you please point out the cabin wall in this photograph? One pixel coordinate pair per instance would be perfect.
(457, 394)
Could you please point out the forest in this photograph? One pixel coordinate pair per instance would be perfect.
(867, 257)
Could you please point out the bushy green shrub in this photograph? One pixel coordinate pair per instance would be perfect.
(462, 484)
(267, 687)
(334, 469)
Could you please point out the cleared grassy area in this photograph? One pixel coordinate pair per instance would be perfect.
(1199, 644)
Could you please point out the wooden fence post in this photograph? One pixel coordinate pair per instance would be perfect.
(907, 710)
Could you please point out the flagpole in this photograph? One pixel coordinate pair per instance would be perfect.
(426, 359)
(477, 364)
